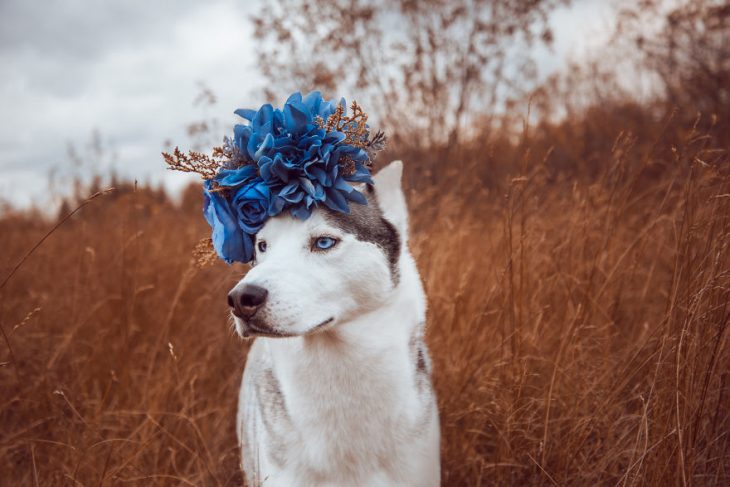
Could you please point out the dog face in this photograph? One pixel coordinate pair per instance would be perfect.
(310, 275)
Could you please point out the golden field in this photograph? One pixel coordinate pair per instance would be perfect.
(577, 321)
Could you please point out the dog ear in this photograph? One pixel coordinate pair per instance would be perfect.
(391, 199)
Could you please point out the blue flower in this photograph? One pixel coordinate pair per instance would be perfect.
(283, 160)
(252, 204)
(229, 240)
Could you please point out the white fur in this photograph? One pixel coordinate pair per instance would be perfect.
(352, 411)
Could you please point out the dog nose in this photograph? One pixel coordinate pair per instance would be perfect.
(246, 300)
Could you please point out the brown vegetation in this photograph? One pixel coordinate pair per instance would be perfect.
(578, 326)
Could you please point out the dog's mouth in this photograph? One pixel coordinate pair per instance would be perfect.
(251, 329)
(322, 325)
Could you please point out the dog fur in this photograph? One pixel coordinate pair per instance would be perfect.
(337, 387)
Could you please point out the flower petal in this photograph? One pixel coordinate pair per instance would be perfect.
(301, 212)
(246, 113)
(356, 197)
(296, 116)
(267, 144)
(294, 97)
(263, 116)
(313, 101)
(235, 177)
(335, 201)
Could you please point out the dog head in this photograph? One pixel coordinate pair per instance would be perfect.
(312, 274)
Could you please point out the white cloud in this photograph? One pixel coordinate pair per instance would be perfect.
(129, 73)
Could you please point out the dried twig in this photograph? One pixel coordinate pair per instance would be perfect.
(204, 254)
(196, 162)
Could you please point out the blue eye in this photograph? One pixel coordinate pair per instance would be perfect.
(324, 243)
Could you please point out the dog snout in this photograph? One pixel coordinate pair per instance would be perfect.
(246, 300)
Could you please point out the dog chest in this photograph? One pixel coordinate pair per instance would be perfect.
(354, 413)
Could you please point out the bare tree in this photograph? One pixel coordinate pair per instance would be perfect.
(688, 48)
(426, 69)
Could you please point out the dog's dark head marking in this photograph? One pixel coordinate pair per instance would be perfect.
(367, 224)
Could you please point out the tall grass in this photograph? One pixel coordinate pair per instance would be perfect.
(578, 326)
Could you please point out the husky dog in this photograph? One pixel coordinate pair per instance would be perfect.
(337, 389)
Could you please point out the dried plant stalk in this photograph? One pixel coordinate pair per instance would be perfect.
(195, 162)
(355, 128)
(204, 254)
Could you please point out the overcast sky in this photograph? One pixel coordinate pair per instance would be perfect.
(130, 71)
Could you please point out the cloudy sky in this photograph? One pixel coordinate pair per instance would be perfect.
(130, 71)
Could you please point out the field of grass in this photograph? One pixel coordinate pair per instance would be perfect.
(578, 326)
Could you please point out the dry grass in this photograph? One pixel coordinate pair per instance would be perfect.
(578, 328)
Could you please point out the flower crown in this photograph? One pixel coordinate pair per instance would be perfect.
(294, 159)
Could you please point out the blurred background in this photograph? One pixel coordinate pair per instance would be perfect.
(567, 174)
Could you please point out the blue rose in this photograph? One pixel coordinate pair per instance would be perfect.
(252, 203)
(229, 240)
